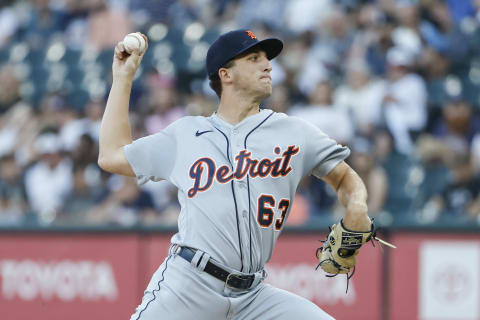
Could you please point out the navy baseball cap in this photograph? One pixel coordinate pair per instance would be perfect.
(231, 44)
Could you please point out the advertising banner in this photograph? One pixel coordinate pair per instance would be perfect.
(102, 276)
(68, 276)
(449, 280)
(434, 277)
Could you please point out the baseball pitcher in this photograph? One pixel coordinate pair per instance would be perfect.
(236, 172)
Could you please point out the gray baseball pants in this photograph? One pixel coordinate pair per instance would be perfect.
(180, 291)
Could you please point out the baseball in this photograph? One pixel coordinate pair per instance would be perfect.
(134, 42)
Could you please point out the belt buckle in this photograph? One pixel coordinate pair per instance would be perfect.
(230, 277)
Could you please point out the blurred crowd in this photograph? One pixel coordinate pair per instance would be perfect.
(395, 80)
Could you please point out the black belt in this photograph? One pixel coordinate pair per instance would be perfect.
(237, 281)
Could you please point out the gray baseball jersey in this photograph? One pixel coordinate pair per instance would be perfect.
(236, 183)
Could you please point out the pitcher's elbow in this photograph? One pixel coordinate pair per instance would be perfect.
(103, 163)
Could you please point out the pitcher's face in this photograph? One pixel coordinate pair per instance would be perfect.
(251, 74)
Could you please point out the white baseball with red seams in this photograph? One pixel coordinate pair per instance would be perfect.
(134, 42)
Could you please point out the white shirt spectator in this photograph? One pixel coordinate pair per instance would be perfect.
(47, 187)
(362, 104)
(332, 121)
(306, 15)
(50, 180)
(71, 132)
(408, 111)
(405, 99)
(313, 71)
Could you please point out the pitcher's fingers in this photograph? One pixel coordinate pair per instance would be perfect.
(120, 54)
(121, 47)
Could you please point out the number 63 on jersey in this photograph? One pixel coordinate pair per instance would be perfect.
(266, 213)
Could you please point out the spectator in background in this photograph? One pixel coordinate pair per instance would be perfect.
(321, 112)
(460, 10)
(306, 15)
(361, 97)
(404, 100)
(376, 49)
(406, 34)
(76, 30)
(162, 104)
(456, 132)
(336, 35)
(266, 11)
(126, 205)
(86, 192)
(198, 104)
(458, 125)
(43, 22)
(330, 48)
(50, 179)
(440, 31)
(459, 200)
(150, 10)
(18, 130)
(88, 186)
(182, 13)
(435, 68)
(383, 144)
(13, 202)
(107, 25)
(10, 88)
(77, 126)
(54, 111)
(296, 51)
(85, 152)
(369, 22)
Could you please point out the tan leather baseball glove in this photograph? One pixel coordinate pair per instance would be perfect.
(338, 254)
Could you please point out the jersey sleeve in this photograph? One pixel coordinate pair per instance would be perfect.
(153, 157)
(322, 153)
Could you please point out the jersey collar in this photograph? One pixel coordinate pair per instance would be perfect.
(246, 124)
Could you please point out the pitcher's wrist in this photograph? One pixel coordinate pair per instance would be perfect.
(356, 217)
(124, 80)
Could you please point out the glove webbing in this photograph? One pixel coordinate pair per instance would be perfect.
(372, 237)
(338, 266)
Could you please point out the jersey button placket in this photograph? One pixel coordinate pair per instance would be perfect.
(242, 195)
(236, 138)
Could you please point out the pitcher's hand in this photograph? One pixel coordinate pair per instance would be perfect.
(125, 65)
